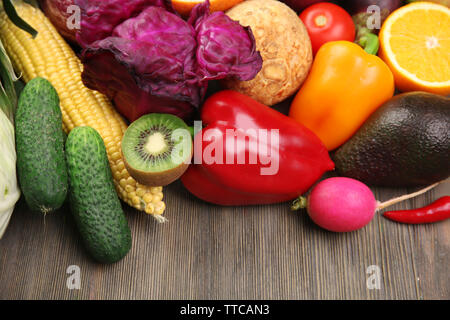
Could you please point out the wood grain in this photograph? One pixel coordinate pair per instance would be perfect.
(211, 252)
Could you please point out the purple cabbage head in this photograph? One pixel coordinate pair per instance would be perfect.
(147, 59)
(224, 47)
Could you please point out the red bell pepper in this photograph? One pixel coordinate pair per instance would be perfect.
(289, 157)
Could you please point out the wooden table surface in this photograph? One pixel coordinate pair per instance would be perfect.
(211, 252)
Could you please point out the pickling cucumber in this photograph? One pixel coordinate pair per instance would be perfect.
(41, 165)
(94, 202)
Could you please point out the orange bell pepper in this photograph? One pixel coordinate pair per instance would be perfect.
(344, 87)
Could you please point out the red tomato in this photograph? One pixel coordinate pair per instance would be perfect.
(327, 22)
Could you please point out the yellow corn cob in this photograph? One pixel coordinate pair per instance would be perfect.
(50, 57)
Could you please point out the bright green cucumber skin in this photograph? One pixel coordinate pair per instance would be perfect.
(94, 202)
(41, 164)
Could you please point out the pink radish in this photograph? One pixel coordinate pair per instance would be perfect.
(343, 204)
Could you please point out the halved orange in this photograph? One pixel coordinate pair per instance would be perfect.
(415, 44)
(184, 7)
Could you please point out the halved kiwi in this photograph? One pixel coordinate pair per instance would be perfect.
(157, 149)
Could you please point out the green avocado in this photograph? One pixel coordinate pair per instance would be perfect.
(405, 143)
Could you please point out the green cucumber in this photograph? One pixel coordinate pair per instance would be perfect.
(41, 165)
(94, 202)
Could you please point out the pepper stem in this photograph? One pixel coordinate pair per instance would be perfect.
(299, 203)
(370, 43)
(383, 205)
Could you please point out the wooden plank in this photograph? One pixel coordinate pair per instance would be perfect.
(210, 252)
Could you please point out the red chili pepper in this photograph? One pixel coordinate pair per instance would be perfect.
(302, 157)
(437, 211)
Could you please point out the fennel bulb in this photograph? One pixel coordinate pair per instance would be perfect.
(9, 190)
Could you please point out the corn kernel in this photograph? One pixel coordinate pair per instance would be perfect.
(131, 181)
(155, 190)
(160, 207)
(120, 165)
(160, 195)
(156, 199)
(147, 198)
(115, 156)
(123, 183)
(149, 208)
(136, 200)
(140, 192)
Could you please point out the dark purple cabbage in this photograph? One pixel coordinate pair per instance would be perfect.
(148, 59)
(100, 17)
